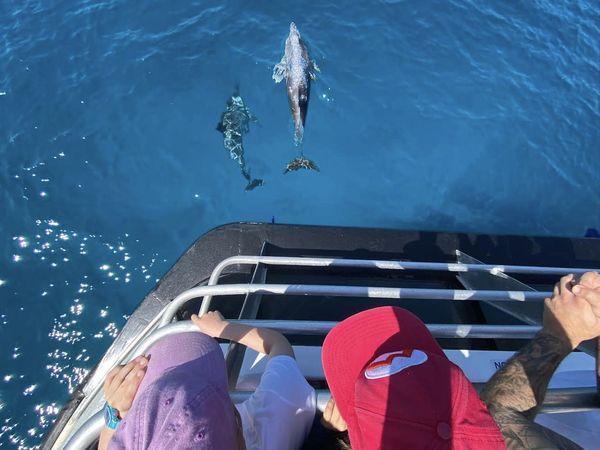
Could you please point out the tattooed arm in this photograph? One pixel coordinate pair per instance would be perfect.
(522, 433)
(516, 392)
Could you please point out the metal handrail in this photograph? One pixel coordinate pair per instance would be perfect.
(346, 291)
(313, 328)
(384, 264)
(441, 331)
(87, 433)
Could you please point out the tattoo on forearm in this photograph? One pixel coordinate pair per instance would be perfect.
(515, 393)
(521, 384)
(521, 433)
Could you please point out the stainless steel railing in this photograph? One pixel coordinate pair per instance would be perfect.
(381, 264)
(345, 291)
(315, 328)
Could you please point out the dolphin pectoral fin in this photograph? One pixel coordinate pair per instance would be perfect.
(313, 69)
(280, 70)
(300, 162)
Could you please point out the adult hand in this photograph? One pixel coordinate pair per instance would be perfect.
(571, 316)
(332, 419)
(122, 382)
(588, 287)
(211, 323)
(589, 279)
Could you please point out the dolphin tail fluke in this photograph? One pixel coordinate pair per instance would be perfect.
(254, 183)
(311, 165)
(301, 162)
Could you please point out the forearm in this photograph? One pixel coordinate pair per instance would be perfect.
(521, 433)
(262, 340)
(516, 392)
(521, 384)
(105, 436)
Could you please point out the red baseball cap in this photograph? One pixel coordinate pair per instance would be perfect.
(396, 389)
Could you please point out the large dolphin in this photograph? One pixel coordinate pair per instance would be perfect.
(298, 70)
(235, 122)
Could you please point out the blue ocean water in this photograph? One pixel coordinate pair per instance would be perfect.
(439, 115)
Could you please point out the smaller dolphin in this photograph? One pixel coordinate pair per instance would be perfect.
(235, 122)
(298, 70)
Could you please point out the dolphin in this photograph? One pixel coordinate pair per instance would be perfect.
(298, 70)
(234, 124)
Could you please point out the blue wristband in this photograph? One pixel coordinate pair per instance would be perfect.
(111, 417)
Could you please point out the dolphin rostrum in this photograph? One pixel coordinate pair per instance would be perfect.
(235, 122)
(298, 70)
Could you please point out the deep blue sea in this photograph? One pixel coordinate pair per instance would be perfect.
(457, 115)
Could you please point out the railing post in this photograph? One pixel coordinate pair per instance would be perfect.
(236, 351)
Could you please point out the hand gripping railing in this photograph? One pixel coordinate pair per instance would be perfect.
(381, 264)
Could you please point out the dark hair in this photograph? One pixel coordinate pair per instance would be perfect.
(343, 441)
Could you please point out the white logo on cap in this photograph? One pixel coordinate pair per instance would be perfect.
(394, 362)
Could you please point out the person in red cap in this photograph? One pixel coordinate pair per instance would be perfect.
(393, 387)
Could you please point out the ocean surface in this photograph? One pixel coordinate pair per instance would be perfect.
(451, 115)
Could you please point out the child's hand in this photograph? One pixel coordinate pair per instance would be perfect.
(122, 382)
(211, 323)
(332, 419)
